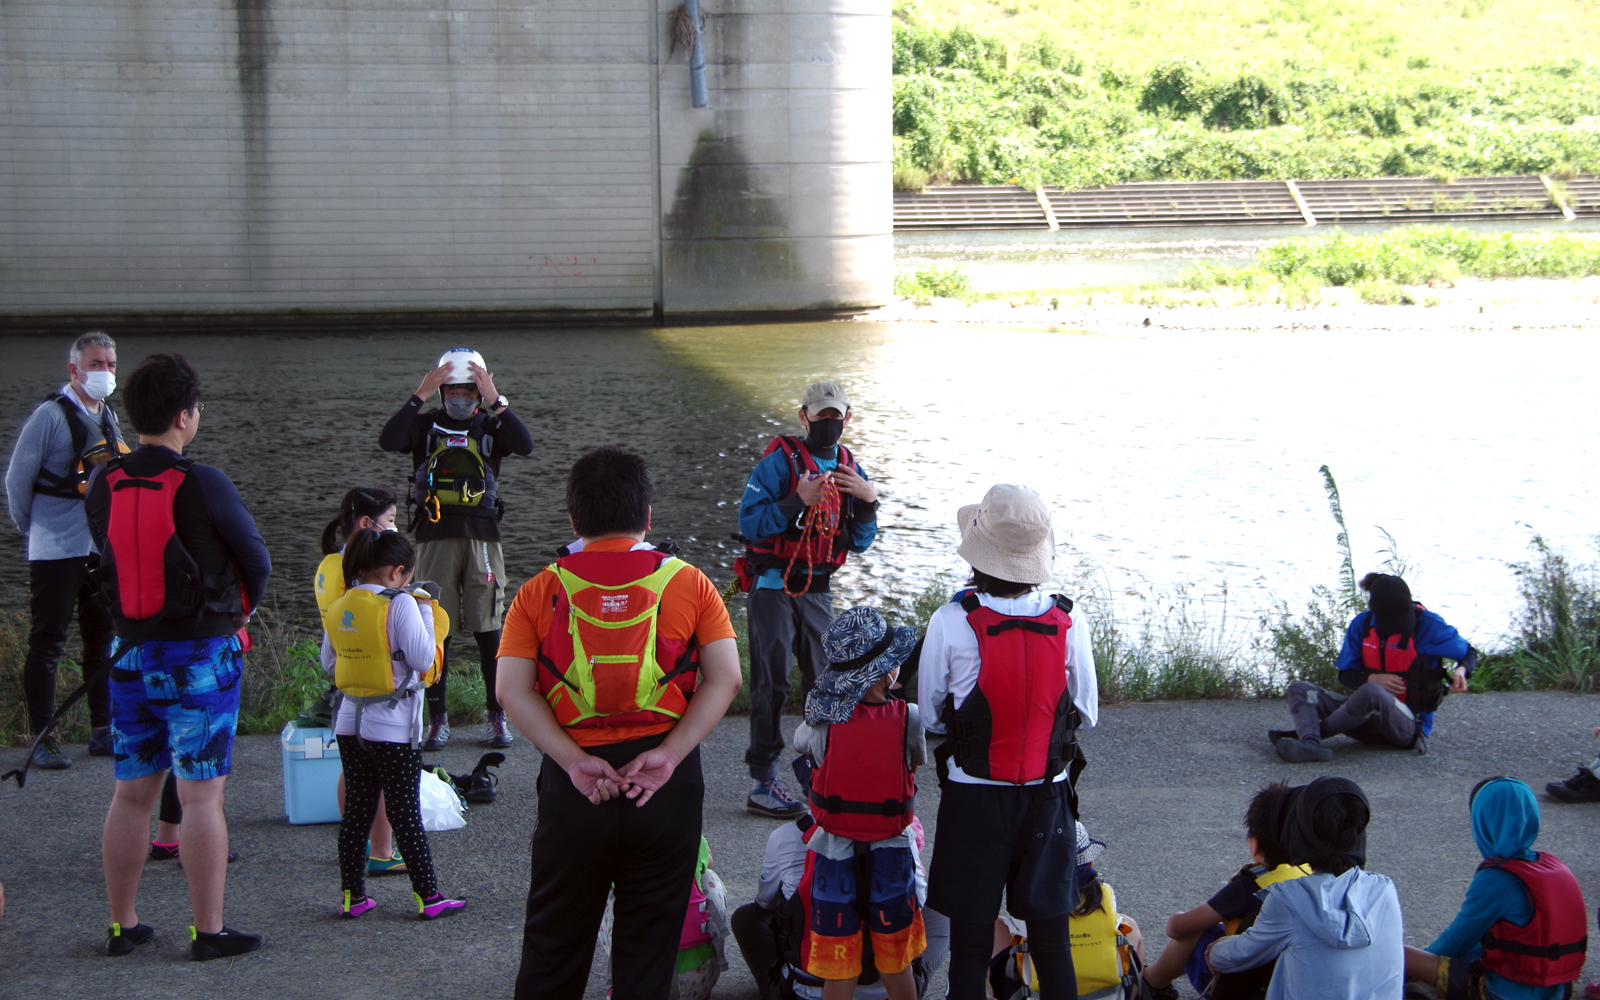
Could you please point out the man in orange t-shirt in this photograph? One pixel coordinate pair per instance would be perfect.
(621, 789)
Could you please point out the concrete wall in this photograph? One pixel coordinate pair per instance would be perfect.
(525, 157)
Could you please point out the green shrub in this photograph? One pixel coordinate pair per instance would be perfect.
(934, 282)
(1381, 292)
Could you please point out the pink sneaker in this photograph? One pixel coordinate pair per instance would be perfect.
(1592, 991)
(436, 906)
(353, 909)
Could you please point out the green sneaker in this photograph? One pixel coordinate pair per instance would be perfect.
(394, 864)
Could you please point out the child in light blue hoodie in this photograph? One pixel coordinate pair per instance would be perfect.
(1336, 933)
(1505, 824)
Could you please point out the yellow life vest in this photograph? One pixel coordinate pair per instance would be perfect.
(1265, 877)
(329, 585)
(358, 631)
(1102, 956)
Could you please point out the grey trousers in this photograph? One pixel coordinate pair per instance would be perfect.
(1371, 715)
(780, 626)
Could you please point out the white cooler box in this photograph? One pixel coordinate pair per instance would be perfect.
(311, 770)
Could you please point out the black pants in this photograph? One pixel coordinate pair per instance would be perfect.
(579, 851)
(1371, 715)
(58, 588)
(488, 656)
(370, 767)
(755, 928)
(781, 626)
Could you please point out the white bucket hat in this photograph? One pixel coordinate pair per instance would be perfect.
(1009, 535)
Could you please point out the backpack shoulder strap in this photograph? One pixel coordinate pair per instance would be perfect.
(970, 603)
(1063, 602)
(69, 409)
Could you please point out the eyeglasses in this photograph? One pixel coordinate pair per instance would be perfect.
(200, 407)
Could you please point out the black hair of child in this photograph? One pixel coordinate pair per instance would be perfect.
(1260, 822)
(163, 386)
(1340, 823)
(983, 583)
(371, 550)
(609, 492)
(1091, 894)
(363, 501)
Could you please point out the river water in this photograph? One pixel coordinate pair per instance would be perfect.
(1177, 462)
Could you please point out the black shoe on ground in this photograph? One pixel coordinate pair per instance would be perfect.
(1581, 787)
(122, 940)
(1274, 735)
(482, 783)
(47, 756)
(224, 944)
(100, 742)
(1300, 752)
(1168, 992)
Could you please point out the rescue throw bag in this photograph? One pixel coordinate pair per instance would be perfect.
(1397, 654)
(1018, 724)
(824, 553)
(1549, 950)
(94, 441)
(455, 473)
(603, 661)
(865, 789)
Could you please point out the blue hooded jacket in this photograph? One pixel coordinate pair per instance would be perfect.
(1435, 638)
(1505, 824)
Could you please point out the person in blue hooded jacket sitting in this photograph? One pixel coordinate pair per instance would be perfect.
(1398, 660)
(1520, 933)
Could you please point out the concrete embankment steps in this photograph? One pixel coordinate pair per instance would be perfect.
(1248, 203)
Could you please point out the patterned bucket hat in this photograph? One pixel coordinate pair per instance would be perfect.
(861, 647)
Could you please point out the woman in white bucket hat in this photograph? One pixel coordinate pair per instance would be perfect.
(1008, 675)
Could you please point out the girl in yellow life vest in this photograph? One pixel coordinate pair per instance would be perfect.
(380, 641)
(1107, 947)
(363, 508)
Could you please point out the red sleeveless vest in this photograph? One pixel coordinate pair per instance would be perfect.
(1549, 951)
(775, 552)
(864, 789)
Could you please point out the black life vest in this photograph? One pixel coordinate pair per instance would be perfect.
(146, 574)
(94, 440)
(1397, 654)
(777, 552)
(1019, 723)
(865, 789)
(1549, 949)
(455, 474)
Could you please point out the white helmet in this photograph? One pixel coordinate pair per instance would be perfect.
(458, 358)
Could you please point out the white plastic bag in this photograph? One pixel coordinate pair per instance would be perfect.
(441, 806)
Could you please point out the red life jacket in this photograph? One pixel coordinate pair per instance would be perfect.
(1549, 950)
(777, 551)
(145, 571)
(1019, 722)
(594, 694)
(1397, 654)
(865, 790)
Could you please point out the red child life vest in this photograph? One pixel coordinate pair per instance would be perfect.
(1018, 723)
(865, 789)
(825, 555)
(145, 571)
(1549, 949)
(1397, 654)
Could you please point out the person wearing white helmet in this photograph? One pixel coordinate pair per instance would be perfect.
(456, 452)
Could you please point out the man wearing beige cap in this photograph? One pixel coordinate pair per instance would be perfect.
(1008, 675)
(806, 507)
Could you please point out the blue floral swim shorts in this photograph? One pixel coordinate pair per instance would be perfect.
(176, 704)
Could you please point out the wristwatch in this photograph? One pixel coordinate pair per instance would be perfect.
(500, 403)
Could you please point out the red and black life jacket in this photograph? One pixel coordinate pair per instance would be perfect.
(94, 440)
(620, 607)
(146, 573)
(1019, 723)
(777, 551)
(1397, 654)
(1549, 949)
(865, 789)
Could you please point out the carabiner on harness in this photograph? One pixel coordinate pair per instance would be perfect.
(430, 507)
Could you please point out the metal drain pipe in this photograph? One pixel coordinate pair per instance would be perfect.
(697, 56)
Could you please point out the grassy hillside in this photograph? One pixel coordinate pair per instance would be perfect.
(1134, 35)
(972, 107)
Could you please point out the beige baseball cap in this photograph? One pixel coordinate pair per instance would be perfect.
(820, 396)
(1009, 535)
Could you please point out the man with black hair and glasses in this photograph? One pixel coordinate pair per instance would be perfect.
(181, 564)
(74, 428)
(621, 789)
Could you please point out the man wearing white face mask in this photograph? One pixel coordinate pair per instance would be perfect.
(70, 433)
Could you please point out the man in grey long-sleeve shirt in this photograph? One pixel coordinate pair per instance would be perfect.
(69, 432)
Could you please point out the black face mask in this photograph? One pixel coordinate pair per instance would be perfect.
(824, 434)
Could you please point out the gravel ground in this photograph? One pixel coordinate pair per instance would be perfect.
(1507, 304)
(1166, 789)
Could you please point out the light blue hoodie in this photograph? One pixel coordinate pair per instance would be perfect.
(1336, 937)
(1505, 824)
